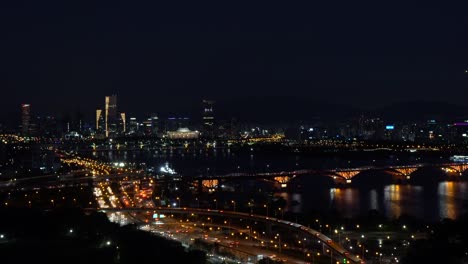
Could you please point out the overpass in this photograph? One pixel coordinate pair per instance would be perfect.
(335, 247)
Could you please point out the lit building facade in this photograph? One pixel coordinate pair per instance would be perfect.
(183, 133)
(123, 123)
(25, 118)
(99, 120)
(111, 114)
(208, 118)
(133, 127)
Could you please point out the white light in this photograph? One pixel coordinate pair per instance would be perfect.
(71, 230)
(2, 236)
(166, 169)
(108, 243)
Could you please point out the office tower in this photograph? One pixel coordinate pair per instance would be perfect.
(148, 126)
(123, 123)
(98, 119)
(154, 124)
(110, 114)
(25, 118)
(132, 125)
(208, 118)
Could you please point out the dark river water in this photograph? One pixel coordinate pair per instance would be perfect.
(445, 199)
(431, 200)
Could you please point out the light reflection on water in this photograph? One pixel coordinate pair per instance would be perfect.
(345, 201)
(444, 200)
(446, 192)
(374, 205)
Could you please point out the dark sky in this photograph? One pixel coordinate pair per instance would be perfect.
(66, 55)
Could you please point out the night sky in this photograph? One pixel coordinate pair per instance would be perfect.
(67, 55)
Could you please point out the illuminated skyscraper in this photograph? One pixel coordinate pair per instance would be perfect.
(133, 126)
(100, 121)
(98, 118)
(113, 106)
(123, 122)
(208, 118)
(25, 118)
(154, 124)
(111, 114)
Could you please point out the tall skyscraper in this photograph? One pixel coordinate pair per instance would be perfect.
(111, 114)
(25, 118)
(133, 126)
(113, 106)
(99, 120)
(106, 114)
(123, 122)
(208, 118)
(154, 124)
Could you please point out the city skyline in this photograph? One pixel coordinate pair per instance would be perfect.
(247, 110)
(162, 57)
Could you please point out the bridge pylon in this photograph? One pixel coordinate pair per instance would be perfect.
(455, 168)
(405, 171)
(283, 180)
(345, 176)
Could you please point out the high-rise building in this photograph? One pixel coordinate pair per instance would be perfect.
(111, 114)
(154, 124)
(133, 126)
(208, 118)
(123, 123)
(98, 119)
(25, 118)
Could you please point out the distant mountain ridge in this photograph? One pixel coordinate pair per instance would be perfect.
(421, 110)
(292, 109)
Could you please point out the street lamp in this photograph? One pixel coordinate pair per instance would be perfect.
(234, 203)
(339, 235)
(266, 206)
(216, 204)
(250, 205)
(279, 242)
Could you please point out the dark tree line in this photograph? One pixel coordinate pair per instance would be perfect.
(71, 236)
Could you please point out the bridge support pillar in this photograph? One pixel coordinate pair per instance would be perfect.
(339, 181)
(405, 172)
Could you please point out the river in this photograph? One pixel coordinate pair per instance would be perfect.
(432, 201)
